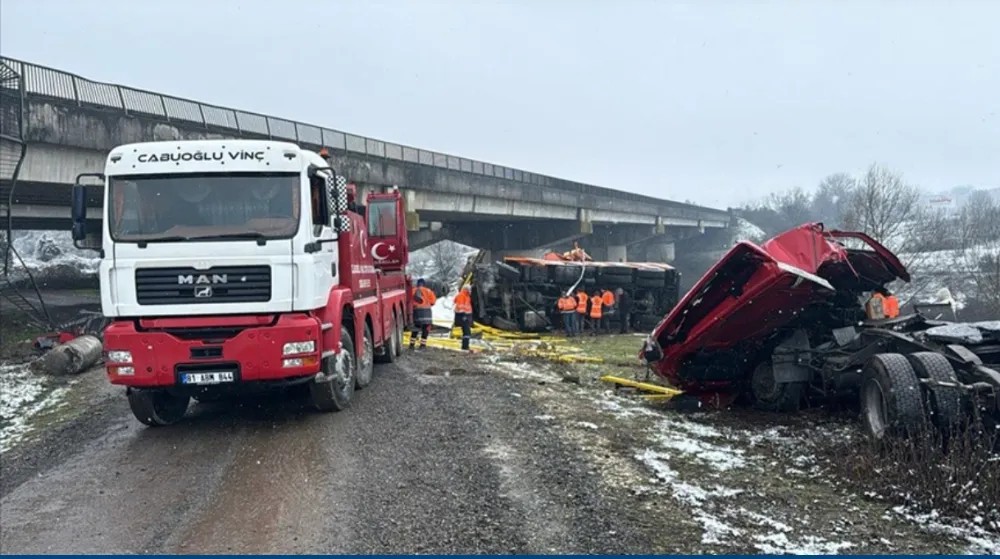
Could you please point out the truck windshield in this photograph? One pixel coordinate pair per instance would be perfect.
(203, 206)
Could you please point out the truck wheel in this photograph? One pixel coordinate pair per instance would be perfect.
(157, 407)
(891, 399)
(334, 391)
(771, 395)
(398, 325)
(366, 361)
(390, 347)
(944, 398)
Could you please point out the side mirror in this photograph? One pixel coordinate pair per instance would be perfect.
(79, 212)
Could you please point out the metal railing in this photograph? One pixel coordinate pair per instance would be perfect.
(40, 81)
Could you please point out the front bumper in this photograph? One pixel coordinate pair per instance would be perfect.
(160, 356)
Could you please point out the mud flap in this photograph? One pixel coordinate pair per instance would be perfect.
(784, 360)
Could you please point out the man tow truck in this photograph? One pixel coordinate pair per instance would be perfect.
(228, 265)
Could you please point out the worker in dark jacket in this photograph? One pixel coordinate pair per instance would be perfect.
(423, 317)
(624, 310)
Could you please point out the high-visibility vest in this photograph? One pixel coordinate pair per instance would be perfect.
(427, 296)
(608, 299)
(595, 306)
(581, 302)
(463, 302)
(567, 304)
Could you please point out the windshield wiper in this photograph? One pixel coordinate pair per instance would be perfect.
(261, 238)
(243, 235)
(171, 239)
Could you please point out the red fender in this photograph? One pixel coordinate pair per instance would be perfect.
(332, 314)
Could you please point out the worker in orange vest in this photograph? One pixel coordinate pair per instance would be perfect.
(567, 309)
(581, 310)
(608, 304)
(595, 312)
(423, 317)
(463, 314)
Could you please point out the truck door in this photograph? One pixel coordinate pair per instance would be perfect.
(324, 256)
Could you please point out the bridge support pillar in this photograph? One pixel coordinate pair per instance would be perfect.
(617, 253)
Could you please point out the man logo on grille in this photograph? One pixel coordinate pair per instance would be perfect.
(203, 292)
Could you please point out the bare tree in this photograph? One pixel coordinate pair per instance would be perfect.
(833, 198)
(447, 259)
(886, 208)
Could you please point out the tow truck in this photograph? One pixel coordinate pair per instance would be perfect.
(235, 265)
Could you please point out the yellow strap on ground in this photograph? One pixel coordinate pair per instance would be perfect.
(660, 390)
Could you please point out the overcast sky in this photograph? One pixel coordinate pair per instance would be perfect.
(712, 101)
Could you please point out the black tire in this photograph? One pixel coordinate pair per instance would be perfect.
(565, 275)
(508, 272)
(652, 275)
(157, 407)
(366, 361)
(614, 280)
(649, 283)
(615, 271)
(891, 399)
(399, 334)
(945, 398)
(769, 395)
(334, 393)
(390, 346)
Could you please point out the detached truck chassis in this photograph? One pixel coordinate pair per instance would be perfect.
(235, 265)
(785, 321)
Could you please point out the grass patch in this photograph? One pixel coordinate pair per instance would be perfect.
(957, 475)
(615, 349)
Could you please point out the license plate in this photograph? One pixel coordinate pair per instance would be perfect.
(207, 378)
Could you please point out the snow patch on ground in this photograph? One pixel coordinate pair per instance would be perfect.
(23, 394)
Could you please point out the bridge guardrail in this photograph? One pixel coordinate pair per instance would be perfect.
(47, 82)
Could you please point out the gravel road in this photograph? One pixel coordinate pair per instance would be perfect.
(414, 466)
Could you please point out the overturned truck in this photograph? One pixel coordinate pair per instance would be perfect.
(808, 316)
(521, 294)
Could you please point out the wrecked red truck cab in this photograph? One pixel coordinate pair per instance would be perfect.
(787, 318)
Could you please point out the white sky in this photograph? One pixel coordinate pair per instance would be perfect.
(711, 101)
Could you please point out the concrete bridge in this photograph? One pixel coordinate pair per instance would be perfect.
(57, 125)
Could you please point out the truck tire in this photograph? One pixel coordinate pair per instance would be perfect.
(391, 347)
(615, 271)
(770, 395)
(366, 361)
(157, 407)
(566, 275)
(649, 283)
(399, 324)
(891, 399)
(335, 391)
(653, 275)
(945, 398)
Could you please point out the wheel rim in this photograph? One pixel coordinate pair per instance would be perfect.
(366, 356)
(344, 370)
(875, 408)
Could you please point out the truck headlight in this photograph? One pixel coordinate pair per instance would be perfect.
(295, 348)
(118, 356)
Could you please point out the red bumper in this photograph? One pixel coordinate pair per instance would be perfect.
(162, 350)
